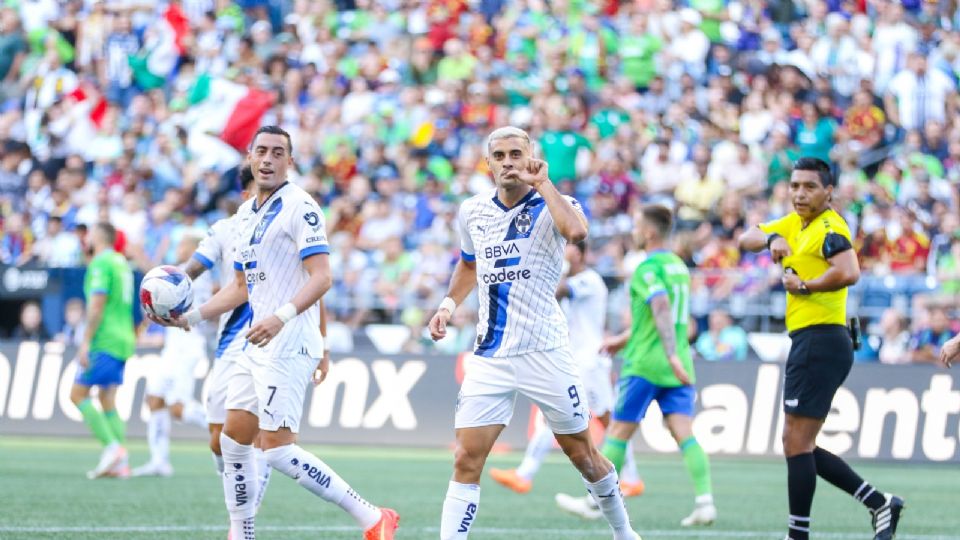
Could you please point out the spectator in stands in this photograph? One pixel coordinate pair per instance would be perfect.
(723, 341)
(30, 327)
(74, 323)
(925, 345)
(907, 245)
(895, 338)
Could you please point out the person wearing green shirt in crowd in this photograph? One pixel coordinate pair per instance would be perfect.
(815, 133)
(560, 146)
(657, 364)
(713, 12)
(638, 50)
(108, 342)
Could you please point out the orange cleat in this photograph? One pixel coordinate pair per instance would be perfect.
(510, 479)
(632, 489)
(384, 529)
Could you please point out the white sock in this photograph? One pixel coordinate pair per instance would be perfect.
(263, 473)
(537, 449)
(318, 478)
(703, 500)
(629, 471)
(158, 436)
(218, 463)
(606, 493)
(239, 486)
(459, 510)
(194, 414)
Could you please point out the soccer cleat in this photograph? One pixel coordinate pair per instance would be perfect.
(584, 507)
(154, 469)
(887, 517)
(111, 456)
(632, 489)
(510, 479)
(385, 528)
(703, 514)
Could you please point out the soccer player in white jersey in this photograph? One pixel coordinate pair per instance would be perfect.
(282, 267)
(512, 241)
(583, 297)
(170, 381)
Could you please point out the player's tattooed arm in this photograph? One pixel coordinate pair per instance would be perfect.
(663, 316)
(194, 268)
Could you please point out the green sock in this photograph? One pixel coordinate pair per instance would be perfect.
(698, 465)
(615, 450)
(97, 423)
(117, 426)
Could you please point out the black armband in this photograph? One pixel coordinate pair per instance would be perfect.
(771, 237)
(833, 244)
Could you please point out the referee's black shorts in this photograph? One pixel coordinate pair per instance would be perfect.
(820, 360)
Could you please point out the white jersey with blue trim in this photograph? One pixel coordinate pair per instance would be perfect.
(586, 309)
(218, 250)
(277, 236)
(177, 340)
(519, 257)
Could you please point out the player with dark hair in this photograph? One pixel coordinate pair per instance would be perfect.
(657, 364)
(108, 342)
(282, 268)
(812, 243)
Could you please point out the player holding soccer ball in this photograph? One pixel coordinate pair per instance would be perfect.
(282, 268)
(170, 382)
(108, 341)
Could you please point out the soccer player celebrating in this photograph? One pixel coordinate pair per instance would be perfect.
(657, 364)
(812, 243)
(170, 382)
(282, 268)
(583, 297)
(512, 240)
(107, 343)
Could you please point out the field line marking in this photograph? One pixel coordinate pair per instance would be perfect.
(568, 533)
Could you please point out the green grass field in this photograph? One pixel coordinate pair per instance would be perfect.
(46, 495)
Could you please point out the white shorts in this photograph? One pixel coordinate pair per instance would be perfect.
(548, 378)
(273, 390)
(171, 378)
(217, 383)
(599, 389)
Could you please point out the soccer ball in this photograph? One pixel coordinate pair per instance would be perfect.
(166, 292)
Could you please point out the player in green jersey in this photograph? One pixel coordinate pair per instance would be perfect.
(656, 364)
(108, 341)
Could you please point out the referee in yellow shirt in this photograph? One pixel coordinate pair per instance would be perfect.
(812, 243)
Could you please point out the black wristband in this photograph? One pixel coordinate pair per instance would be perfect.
(771, 237)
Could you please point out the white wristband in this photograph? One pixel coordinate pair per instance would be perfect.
(286, 312)
(448, 304)
(193, 317)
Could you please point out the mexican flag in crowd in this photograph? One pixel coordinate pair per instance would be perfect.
(162, 48)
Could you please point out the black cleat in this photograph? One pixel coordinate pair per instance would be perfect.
(886, 518)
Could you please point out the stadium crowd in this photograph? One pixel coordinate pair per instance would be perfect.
(105, 111)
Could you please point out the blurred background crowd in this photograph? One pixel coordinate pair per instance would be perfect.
(136, 112)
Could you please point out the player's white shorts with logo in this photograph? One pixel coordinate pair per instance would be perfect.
(217, 383)
(171, 377)
(273, 389)
(599, 387)
(548, 378)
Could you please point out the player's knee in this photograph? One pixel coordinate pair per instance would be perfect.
(215, 443)
(176, 411)
(468, 461)
(78, 394)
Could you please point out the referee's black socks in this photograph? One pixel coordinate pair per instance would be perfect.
(801, 485)
(836, 471)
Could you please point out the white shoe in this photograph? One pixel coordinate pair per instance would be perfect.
(153, 469)
(703, 514)
(112, 456)
(584, 507)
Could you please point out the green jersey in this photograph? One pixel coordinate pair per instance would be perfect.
(110, 274)
(662, 273)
